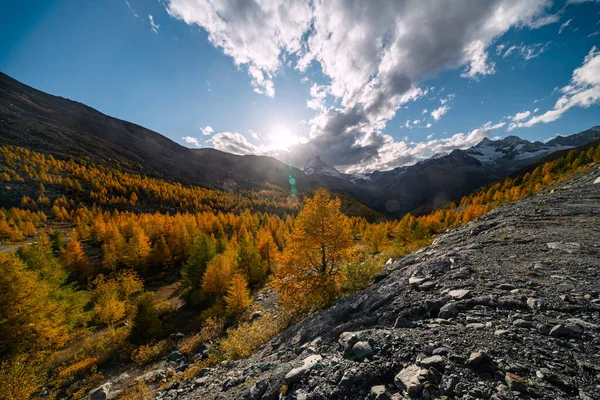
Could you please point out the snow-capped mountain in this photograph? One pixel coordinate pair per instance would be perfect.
(316, 167)
(437, 181)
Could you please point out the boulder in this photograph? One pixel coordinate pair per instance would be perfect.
(448, 311)
(411, 379)
(362, 349)
(434, 361)
(297, 373)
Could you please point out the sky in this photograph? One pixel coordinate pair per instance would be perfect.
(365, 85)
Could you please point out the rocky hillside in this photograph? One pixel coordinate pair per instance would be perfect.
(505, 307)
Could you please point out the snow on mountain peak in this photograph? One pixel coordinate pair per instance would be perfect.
(316, 166)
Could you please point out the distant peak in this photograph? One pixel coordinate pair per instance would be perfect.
(316, 166)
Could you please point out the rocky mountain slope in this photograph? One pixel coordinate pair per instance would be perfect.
(505, 307)
(437, 181)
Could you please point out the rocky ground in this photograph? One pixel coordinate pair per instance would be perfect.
(505, 307)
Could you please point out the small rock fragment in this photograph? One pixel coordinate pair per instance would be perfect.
(515, 382)
(434, 361)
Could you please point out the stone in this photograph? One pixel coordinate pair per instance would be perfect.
(501, 332)
(257, 390)
(402, 322)
(427, 285)
(434, 376)
(459, 294)
(297, 373)
(569, 247)
(544, 329)
(448, 311)
(597, 181)
(584, 324)
(379, 393)
(440, 351)
(534, 304)
(561, 330)
(153, 376)
(521, 323)
(415, 281)
(256, 315)
(347, 339)
(478, 358)
(411, 379)
(101, 392)
(362, 349)
(434, 361)
(475, 325)
(515, 382)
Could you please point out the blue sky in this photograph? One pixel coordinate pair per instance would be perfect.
(246, 70)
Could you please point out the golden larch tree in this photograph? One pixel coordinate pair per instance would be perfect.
(320, 243)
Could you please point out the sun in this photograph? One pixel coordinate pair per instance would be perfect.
(282, 139)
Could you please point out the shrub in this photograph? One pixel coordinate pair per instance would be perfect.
(360, 274)
(150, 352)
(241, 341)
(211, 330)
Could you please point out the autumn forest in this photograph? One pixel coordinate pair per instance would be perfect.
(105, 265)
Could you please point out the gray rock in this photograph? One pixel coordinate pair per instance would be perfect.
(521, 323)
(153, 376)
(434, 361)
(544, 329)
(459, 294)
(569, 247)
(101, 392)
(297, 373)
(478, 359)
(427, 285)
(416, 281)
(448, 311)
(434, 376)
(534, 304)
(475, 325)
(347, 339)
(379, 393)
(362, 349)
(411, 379)
(561, 330)
(257, 390)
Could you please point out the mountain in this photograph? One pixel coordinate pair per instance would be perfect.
(501, 308)
(65, 128)
(437, 181)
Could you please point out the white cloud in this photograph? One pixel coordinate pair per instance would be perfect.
(564, 25)
(131, 8)
(593, 34)
(192, 140)
(446, 99)
(318, 94)
(207, 130)
(428, 125)
(153, 25)
(527, 52)
(374, 53)
(255, 34)
(424, 111)
(582, 91)
(520, 116)
(536, 110)
(438, 112)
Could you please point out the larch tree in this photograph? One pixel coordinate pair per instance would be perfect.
(320, 243)
(75, 258)
(237, 298)
(193, 270)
